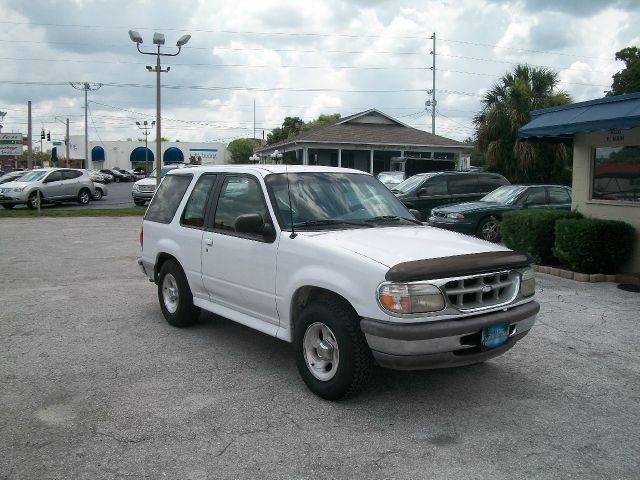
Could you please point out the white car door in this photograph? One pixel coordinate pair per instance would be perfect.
(239, 270)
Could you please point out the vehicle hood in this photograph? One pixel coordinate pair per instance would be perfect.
(392, 245)
(467, 207)
(146, 181)
(17, 184)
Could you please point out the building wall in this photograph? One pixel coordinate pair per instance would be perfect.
(117, 153)
(582, 181)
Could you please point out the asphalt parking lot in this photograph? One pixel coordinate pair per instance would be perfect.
(96, 385)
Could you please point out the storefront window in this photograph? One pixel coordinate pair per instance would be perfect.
(616, 174)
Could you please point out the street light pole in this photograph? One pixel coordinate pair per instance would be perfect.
(145, 131)
(86, 86)
(158, 39)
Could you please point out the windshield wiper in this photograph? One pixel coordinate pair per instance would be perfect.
(391, 218)
(328, 222)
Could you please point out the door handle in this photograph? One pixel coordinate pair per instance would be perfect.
(208, 241)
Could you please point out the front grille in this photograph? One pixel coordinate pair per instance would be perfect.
(438, 214)
(481, 291)
(147, 188)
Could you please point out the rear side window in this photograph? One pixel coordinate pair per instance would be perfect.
(166, 200)
(488, 183)
(193, 214)
(69, 174)
(461, 184)
(559, 196)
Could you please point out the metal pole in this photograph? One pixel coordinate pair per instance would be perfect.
(146, 150)
(67, 142)
(158, 130)
(433, 93)
(29, 133)
(254, 119)
(86, 128)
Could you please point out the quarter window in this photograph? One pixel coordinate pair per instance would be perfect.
(239, 195)
(166, 200)
(559, 196)
(193, 214)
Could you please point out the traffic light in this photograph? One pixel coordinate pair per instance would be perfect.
(48, 136)
(42, 134)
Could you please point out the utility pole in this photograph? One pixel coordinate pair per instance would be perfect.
(66, 142)
(254, 119)
(145, 131)
(29, 132)
(86, 86)
(432, 103)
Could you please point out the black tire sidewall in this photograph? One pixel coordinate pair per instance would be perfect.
(346, 331)
(98, 195)
(186, 313)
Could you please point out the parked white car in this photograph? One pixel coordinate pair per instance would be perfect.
(48, 185)
(143, 189)
(330, 260)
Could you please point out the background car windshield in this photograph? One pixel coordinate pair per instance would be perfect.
(504, 195)
(411, 183)
(332, 196)
(34, 176)
(391, 177)
(163, 172)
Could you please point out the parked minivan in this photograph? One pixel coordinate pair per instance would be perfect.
(425, 191)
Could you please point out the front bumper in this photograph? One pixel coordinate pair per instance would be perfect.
(459, 226)
(137, 195)
(446, 343)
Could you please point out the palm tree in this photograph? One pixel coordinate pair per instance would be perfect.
(505, 108)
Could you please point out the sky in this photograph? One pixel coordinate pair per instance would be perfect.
(292, 58)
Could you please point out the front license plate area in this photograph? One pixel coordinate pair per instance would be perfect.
(494, 336)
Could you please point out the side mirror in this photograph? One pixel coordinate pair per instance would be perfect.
(252, 223)
(416, 214)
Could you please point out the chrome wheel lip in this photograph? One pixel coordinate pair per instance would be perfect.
(170, 293)
(321, 352)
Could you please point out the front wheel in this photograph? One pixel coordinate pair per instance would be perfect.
(8, 206)
(139, 203)
(34, 201)
(176, 300)
(489, 229)
(84, 196)
(332, 355)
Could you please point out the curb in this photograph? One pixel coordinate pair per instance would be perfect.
(633, 279)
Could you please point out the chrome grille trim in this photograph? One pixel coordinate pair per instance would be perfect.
(479, 292)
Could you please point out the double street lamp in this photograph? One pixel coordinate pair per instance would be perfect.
(158, 40)
(145, 127)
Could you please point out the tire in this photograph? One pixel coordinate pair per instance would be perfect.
(139, 203)
(117, 180)
(174, 294)
(332, 355)
(489, 229)
(84, 196)
(98, 194)
(8, 206)
(33, 201)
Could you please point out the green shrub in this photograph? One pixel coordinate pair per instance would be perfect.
(590, 245)
(533, 231)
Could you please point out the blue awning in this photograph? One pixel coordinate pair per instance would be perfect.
(138, 155)
(608, 113)
(173, 155)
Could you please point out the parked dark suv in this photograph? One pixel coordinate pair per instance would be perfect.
(425, 191)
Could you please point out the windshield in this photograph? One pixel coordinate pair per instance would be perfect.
(390, 177)
(504, 195)
(331, 199)
(410, 183)
(34, 176)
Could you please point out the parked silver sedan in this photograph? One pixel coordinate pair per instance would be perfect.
(48, 185)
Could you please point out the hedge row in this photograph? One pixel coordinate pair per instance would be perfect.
(533, 231)
(585, 245)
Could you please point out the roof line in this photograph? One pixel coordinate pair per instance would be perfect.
(588, 103)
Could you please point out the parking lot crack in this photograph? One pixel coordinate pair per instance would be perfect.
(120, 439)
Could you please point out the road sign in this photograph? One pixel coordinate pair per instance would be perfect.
(13, 137)
(11, 150)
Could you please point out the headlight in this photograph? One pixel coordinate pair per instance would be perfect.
(136, 187)
(455, 215)
(528, 283)
(407, 298)
(19, 189)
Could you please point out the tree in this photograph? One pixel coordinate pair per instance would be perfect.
(321, 120)
(241, 149)
(628, 79)
(290, 126)
(505, 108)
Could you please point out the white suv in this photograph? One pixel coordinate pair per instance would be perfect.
(330, 260)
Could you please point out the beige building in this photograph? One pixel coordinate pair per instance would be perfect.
(606, 157)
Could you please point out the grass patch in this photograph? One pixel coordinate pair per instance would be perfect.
(45, 212)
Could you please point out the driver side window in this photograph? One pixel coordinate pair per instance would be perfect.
(53, 177)
(239, 195)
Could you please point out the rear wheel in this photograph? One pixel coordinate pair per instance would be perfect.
(332, 355)
(98, 194)
(489, 229)
(84, 196)
(176, 300)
